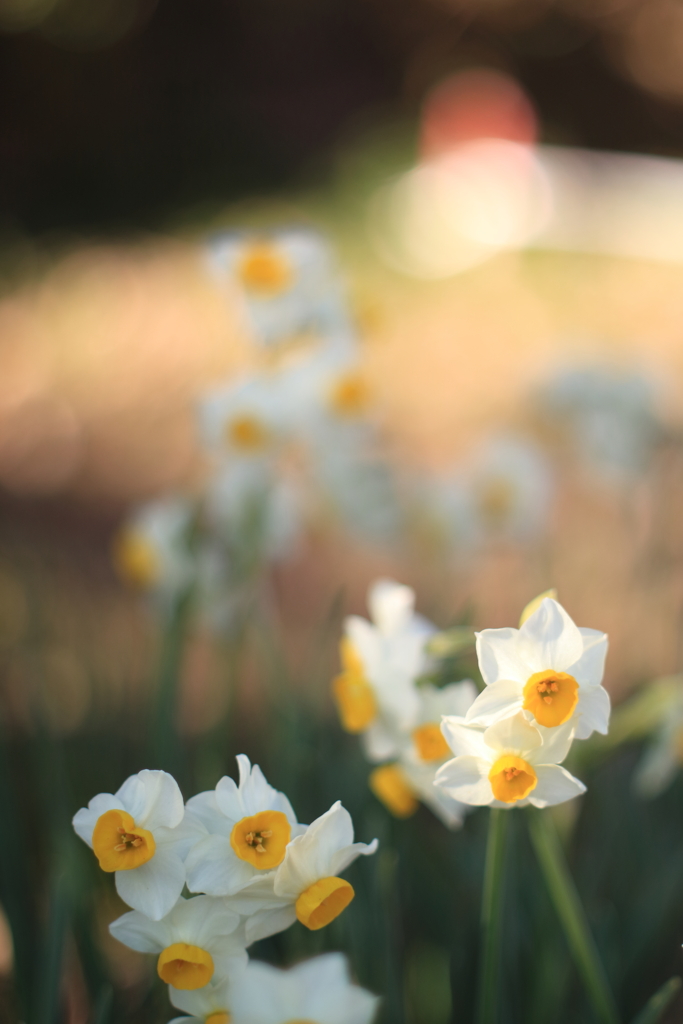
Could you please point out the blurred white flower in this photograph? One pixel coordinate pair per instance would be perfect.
(247, 829)
(306, 886)
(376, 694)
(610, 415)
(151, 551)
(247, 418)
(512, 763)
(198, 940)
(287, 280)
(550, 668)
(208, 1005)
(504, 493)
(139, 833)
(318, 990)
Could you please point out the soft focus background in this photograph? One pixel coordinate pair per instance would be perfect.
(502, 184)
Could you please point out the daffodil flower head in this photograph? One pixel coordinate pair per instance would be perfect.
(509, 764)
(376, 693)
(550, 668)
(247, 829)
(139, 834)
(210, 1004)
(318, 991)
(151, 550)
(198, 941)
(247, 418)
(306, 885)
(286, 279)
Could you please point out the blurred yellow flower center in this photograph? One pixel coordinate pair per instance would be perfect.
(135, 560)
(495, 501)
(352, 692)
(323, 901)
(185, 966)
(261, 839)
(265, 270)
(349, 395)
(247, 433)
(430, 743)
(512, 778)
(551, 697)
(118, 844)
(391, 787)
(218, 1018)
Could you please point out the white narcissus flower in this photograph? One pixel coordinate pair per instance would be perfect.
(318, 991)
(411, 779)
(151, 550)
(139, 834)
(200, 940)
(248, 826)
(306, 886)
(286, 278)
(247, 418)
(376, 693)
(512, 763)
(208, 1005)
(550, 668)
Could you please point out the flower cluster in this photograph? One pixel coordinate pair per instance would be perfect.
(289, 441)
(381, 695)
(252, 870)
(543, 690)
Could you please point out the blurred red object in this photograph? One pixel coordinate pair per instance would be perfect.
(475, 104)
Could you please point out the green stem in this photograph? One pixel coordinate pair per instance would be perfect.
(165, 746)
(572, 915)
(492, 918)
(659, 1002)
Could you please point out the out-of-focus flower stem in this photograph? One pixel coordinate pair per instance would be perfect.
(164, 739)
(488, 992)
(657, 1004)
(572, 915)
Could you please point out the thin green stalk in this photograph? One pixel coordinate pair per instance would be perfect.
(488, 992)
(164, 740)
(659, 1002)
(572, 915)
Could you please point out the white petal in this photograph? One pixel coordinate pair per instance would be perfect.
(182, 838)
(259, 795)
(84, 821)
(153, 798)
(202, 1002)
(592, 712)
(325, 992)
(258, 895)
(554, 786)
(498, 656)
(213, 868)
(391, 605)
(203, 808)
(365, 640)
(137, 932)
(466, 780)
(556, 743)
(456, 698)
(380, 743)
(154, 887)
(202, 919)
(311, 856)
(463, 737)
(515, 734)
(590, 668)
(549, 639)
(343, 858)
(265, 923)
(498, 700)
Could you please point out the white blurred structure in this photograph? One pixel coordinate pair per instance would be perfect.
(490, 195)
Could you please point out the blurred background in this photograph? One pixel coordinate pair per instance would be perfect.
(501, 184)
